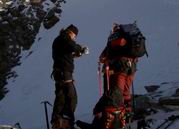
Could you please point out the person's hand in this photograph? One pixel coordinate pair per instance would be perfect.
(102, 59)
(76, 55)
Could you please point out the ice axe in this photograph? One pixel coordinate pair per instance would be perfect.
(46, 111)
(99, 78)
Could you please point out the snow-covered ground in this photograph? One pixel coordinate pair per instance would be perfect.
(158, 20)
(157, 119)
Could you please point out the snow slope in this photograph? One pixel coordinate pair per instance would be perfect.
(157, 19)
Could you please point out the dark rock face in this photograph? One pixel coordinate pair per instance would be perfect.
(177, 92)
(19, 24)
(164, 97)
(174, 101)
(152, 88)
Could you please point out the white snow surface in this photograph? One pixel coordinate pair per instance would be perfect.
(158, 20)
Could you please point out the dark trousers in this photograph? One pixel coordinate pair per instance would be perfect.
(66, 96)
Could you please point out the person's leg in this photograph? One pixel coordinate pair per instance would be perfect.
(65, 101)
(70, 102)
(124, 83)
(58, 103)
(70, 98)
(59, 97)
(127, 91)
(57, 121)
(118, 80)
(128, 98)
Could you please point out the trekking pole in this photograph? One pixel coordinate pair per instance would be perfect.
(133, 99)
(169, 121)
(99, 79)
(46, 112)
(172, 120)
(166, 120)
(169, 124)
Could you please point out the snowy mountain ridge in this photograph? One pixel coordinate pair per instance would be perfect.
(33, 85)
(20, 22)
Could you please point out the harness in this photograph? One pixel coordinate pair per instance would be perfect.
(61, 74)
(114, 65)
(114, 118)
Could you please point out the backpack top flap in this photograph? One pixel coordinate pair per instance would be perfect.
(132, 31)
(135, 39)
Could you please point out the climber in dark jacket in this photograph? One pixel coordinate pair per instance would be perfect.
(108, 111)
(64, 50)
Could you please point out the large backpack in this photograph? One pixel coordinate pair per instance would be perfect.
(135, 46)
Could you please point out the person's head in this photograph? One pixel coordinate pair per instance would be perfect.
(72, 31)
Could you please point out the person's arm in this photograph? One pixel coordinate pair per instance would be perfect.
(103, 55)
(74, 46)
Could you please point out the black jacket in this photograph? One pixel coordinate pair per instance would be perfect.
(63, 49)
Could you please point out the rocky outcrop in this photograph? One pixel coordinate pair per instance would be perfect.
(19, 23)
(163, 97)
(152, 88)
(174, 101)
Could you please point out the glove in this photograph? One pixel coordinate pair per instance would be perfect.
(85, 50)
(76, 55)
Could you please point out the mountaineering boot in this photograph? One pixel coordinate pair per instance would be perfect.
(84, 125)
(62, 123)
(128, 111)
(56, 125)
